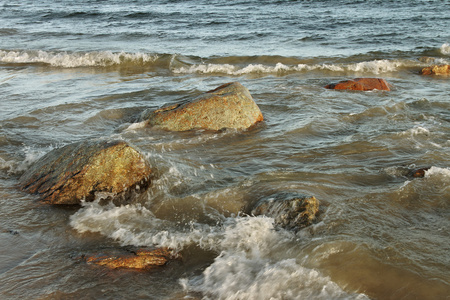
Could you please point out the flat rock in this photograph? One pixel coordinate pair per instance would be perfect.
(290, 211)
(436, 70)
(142, 259)
(81, 170)
(228, 106)
(361, 84)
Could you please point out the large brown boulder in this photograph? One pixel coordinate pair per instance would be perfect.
(142, 259)
(290, 211)
(436, 70)
(228, 106)
(361, 84)
(81, 170)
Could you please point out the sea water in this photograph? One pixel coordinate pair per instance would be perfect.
(75, 70)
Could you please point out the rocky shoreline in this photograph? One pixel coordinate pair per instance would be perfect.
(117, 172)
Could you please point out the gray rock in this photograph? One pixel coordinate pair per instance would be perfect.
(290, 211)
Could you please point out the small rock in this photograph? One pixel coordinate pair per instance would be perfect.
(290, 211)
(417, 173)
(142, 259)
(436, 70)
(427, 59)
(361, 84)
(81, 170)
(228, 106)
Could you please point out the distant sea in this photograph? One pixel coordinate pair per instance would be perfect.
(82, 69)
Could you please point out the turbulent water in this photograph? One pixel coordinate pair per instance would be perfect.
(73, 70)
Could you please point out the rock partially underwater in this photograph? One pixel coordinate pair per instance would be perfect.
(290, 211)
(417, 173)
(228, 106)
(361, 84)
(81, 170)
(139, 259)
(436, 70)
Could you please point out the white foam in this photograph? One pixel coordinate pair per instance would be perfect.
(436, 171)
(372, 67)
(135, 126)
(31, 156)
(235, 276)
(445, 49)
(249, 267)
(416, 131)
(252, 263)
(7, 165)
(376, 66)
(77, 59)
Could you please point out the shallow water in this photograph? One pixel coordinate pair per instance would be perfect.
(87, 70)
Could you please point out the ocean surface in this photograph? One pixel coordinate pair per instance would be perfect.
(82, 69)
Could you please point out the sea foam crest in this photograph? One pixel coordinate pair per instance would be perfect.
(436, 171)
(17, 167)
(415, 131)
(77, 59)
(373, 67)
(445, 49)
(249, 267)
(235, 276)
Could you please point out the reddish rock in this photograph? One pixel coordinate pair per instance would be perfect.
(81, 170)
(142, 259)
(436, 70)
(361, 84)
(418, 173)
(228, 106)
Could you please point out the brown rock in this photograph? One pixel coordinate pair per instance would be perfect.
(417, 173)
(228, 106)
(78, 171)
(142, 259)
(290, 211)
(361, 84)
(436, 70)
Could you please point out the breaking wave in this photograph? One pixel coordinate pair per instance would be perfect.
(372, 67)
(445, 49)
(248, 248)
(179, 64)
(77, 59)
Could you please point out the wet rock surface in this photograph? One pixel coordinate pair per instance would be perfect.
(436, 70)
(417, 173)
(228, 106)
(81, 170)
(141, 258)
(290, 211)
(361, 84)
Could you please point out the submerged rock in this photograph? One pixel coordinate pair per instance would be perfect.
(361, 84)
(228, 106)
(81, 170)
(436, 70)
(417, 173)
(142, 259)
(290, 211)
